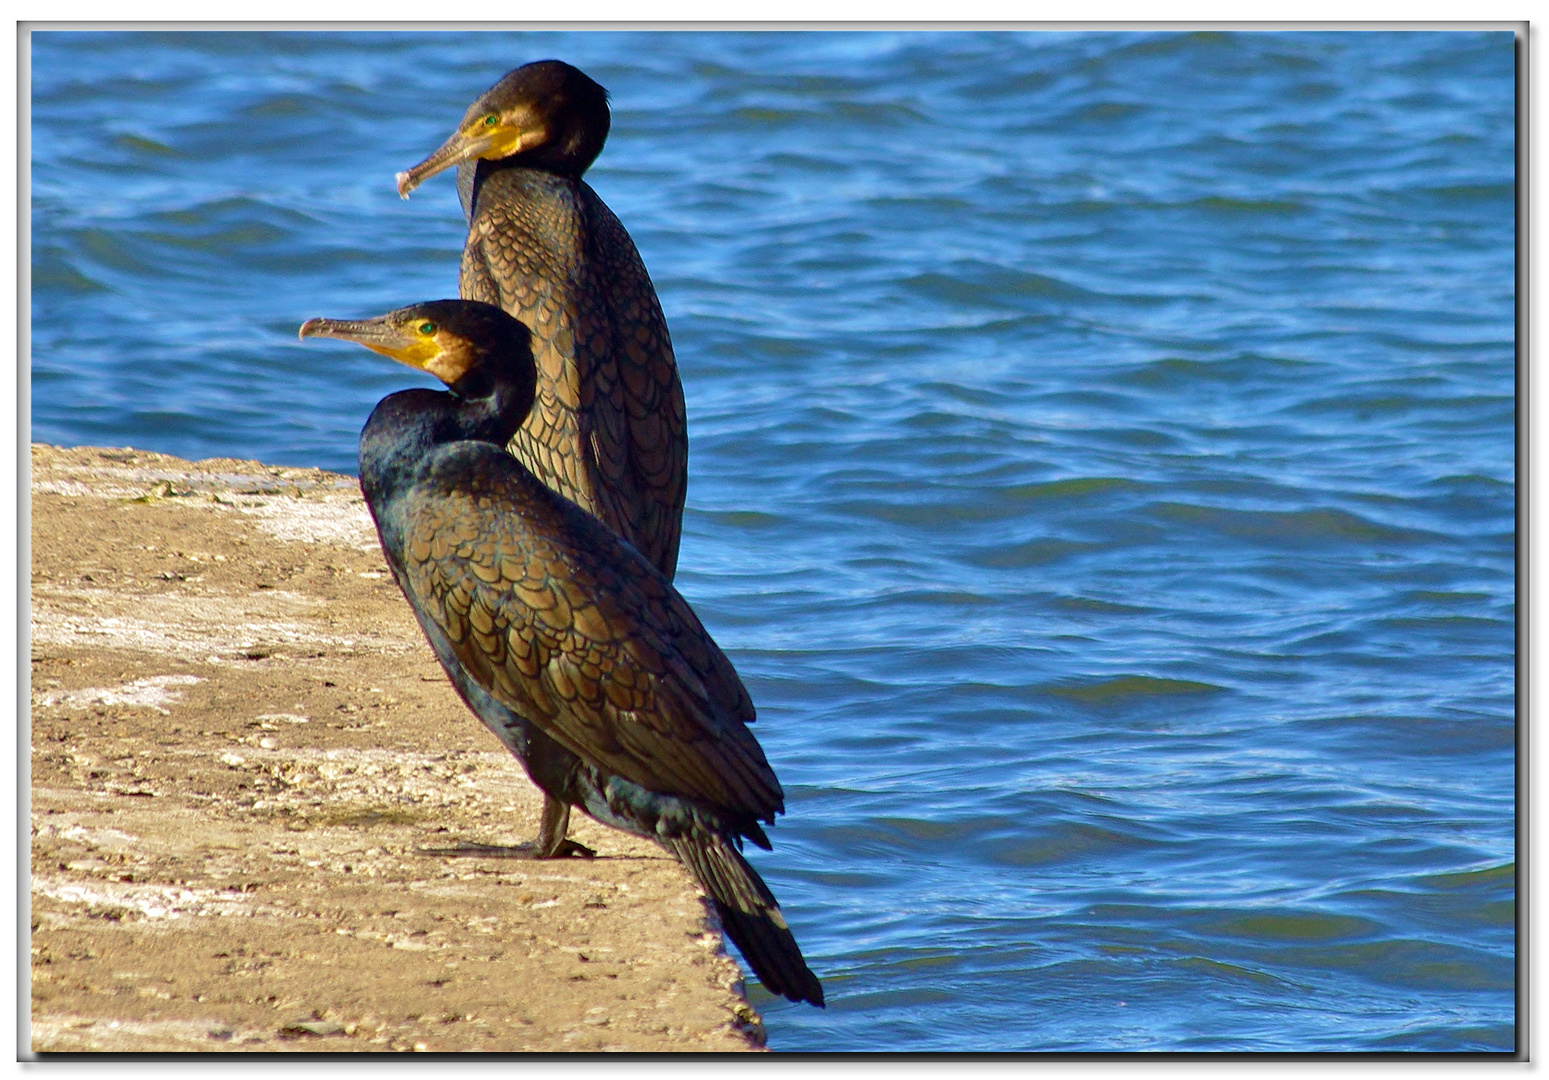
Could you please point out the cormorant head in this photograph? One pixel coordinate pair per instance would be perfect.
(548, 113)
(476, 349)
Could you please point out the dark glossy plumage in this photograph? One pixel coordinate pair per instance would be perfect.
(608, 429)
(566, 642)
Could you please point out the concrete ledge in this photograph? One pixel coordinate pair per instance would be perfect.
(240, 740)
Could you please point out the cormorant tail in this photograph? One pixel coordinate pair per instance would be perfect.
(749, 914)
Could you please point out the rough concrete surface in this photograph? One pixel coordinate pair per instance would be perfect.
(240, 742)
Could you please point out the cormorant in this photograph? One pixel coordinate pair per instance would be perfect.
(608, 429)
(564, 640)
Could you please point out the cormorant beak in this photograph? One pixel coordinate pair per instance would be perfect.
(456, 150)
(377, 334)
(386, 335)
(466, 144)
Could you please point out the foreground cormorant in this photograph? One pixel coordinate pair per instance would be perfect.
(569, 645)
(608, 429)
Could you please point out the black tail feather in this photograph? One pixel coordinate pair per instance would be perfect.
(750, 916)
(772, 953)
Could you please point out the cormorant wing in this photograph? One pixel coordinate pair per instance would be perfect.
(572, 629)
(550, 252)
(657, 457)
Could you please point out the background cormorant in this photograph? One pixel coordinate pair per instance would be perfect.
(607, 430)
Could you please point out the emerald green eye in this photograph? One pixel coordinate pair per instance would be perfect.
(427, 328)
(491, 120)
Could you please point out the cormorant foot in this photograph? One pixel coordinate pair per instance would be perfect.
(571, 849)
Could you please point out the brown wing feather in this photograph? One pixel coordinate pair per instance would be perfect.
(653, 422)
(572, 630)
(607, 430)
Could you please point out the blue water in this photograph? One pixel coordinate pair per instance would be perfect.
(1101, 468)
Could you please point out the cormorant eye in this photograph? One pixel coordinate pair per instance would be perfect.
(491, 120)
(427, 328)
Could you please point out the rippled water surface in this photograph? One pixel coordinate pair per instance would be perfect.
(1101, 468)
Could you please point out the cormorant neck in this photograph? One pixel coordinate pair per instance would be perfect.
(490, 402)
(566, 161)
(400, 432)
(406, 426)
(471, 176)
